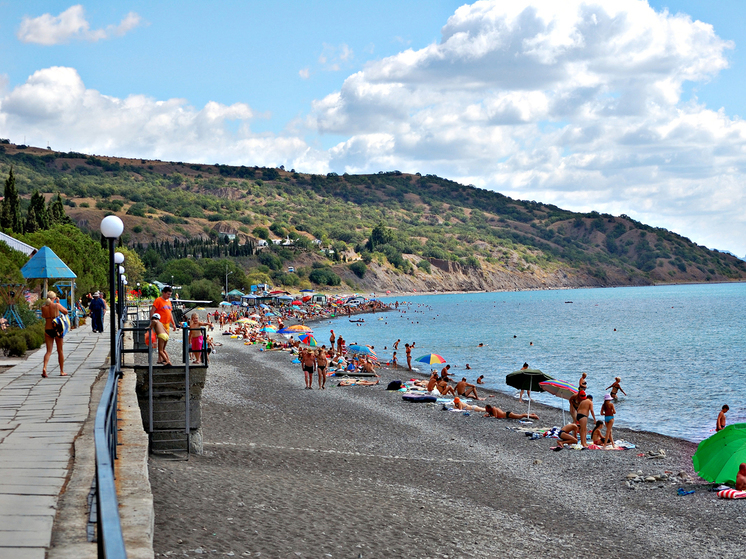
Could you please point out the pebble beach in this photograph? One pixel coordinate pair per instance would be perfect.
(357, 472)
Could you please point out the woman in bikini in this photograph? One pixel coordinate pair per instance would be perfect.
(596, 435)
(49, 311)
(567, 435)
(492, 411)
(607, 412)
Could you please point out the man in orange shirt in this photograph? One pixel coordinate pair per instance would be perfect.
(162, 307)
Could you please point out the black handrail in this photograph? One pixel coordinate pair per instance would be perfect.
(110, 540)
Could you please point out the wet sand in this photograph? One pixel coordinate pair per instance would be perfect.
(357, 472)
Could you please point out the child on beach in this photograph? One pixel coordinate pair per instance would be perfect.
(721, 418)
(607, 412)
(160, 331)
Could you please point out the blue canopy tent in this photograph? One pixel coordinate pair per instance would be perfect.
(46, 265)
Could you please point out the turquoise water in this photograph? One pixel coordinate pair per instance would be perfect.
(678, 349)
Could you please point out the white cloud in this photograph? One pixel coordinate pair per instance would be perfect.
(54, 105)
(70, 25)
(304, 73)
(577, 103)
(333, 58)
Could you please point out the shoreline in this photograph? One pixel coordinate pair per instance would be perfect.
(356, 471)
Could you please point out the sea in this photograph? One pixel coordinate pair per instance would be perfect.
(679, 349)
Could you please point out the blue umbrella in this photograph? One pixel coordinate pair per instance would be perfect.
(361, 350)
(264, 306)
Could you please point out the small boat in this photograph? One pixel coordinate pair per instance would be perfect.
(360, 320)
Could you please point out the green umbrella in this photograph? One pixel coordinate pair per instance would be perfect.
(717, 458)
(527, 379)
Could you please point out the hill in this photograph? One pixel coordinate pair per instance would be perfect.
(385, 231)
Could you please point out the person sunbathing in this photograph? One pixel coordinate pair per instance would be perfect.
(492, 411)
(433, 382)
(459, 405)
(444, 388)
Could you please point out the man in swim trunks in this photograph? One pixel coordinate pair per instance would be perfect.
(162, 306)
(321, 363)
(396, 344)
(721, 418)
(585, 408)
(307, 361)
(162, 335)
(616, 388)
(492, 411)
(464, 389)
(574, 401)
(444, 373)
(433, 382)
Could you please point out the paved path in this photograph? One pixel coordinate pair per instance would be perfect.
(39, 421)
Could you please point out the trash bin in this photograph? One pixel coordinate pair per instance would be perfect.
(138, 335)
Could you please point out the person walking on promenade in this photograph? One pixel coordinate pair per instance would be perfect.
(49, 311)
(162, 307)
(615, 387)
(98, 308)
(721, 418)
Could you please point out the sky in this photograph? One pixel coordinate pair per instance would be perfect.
(619, 106)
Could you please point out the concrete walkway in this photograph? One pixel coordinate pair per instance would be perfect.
(39, 421)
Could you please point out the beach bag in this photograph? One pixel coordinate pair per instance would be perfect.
(61, 325)
(150, 337)
(394, 385)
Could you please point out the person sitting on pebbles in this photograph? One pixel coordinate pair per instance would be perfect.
(741, 478)
(496, 412)
(568, 435)
(465, 389)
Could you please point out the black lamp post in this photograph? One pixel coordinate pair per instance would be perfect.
(112, 228)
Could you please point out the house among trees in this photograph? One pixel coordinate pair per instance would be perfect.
(225, 231)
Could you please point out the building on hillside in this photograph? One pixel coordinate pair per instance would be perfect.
(225, 231)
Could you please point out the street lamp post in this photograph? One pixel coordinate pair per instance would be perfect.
(227, 273)
(119, 259)
(138, 300)
(112, 228)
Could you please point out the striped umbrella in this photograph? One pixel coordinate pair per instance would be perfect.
(431, 359)
(308, 339)
(561, 389)
(295, 329)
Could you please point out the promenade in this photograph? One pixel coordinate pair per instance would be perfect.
(40, 419)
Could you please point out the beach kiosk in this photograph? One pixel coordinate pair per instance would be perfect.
(46, 265)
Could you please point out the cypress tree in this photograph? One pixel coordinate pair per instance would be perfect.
(10, 213)
(37, 216)
(56, 211)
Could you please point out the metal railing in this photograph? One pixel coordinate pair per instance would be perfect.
(110, 541)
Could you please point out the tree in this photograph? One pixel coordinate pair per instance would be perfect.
(380, 235)
(57, 211)
(10, 213)
(261, 232)
(205, 290)
(133, 266)
(37, 216)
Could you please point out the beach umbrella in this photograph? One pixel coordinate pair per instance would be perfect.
(308, 339)
(295, 329)
(254, 316)
(262, 305)
(297, 303)
(431, 359)
(269, 329)
(361, 350)
(527, 379)
(718, 457)
(246, 321)
(224, 304)
(561, 389)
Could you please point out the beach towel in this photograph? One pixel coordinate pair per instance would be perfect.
(61, 325)
(731, 494)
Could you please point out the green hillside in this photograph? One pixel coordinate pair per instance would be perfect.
(373, 228)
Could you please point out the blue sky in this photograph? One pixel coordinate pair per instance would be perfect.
(610, 105)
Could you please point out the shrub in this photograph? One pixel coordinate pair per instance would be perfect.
(358, 268)
(424, 265)
(324, 276)
(13, 345)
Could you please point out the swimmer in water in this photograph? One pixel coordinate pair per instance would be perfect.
(467, 366)
(480, 380)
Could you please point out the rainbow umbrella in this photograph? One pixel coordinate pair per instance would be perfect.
(295, 329)
(561, 389)
(308, 339)
(431, 359)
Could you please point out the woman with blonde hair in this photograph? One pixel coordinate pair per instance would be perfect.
(49, 311)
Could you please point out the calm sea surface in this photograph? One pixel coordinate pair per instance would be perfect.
(678, 349)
